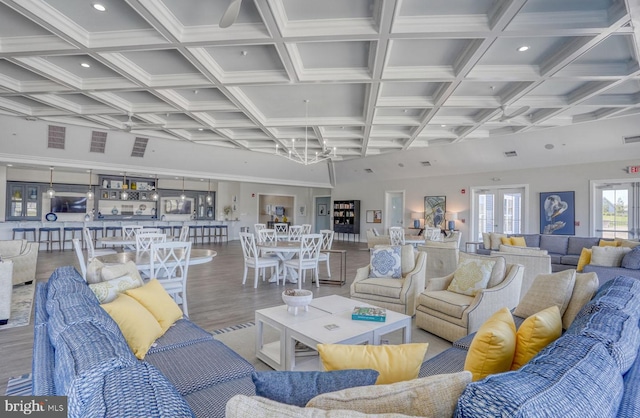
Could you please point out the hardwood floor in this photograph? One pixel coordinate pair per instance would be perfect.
(217, 298)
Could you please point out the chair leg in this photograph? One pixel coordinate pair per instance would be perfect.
(317, 276)
(328, 268)
(244, 278)
(185, 310)
(255, 277)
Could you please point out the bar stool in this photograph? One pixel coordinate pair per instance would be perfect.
(49, 237)
(195, 229)
(94, 233)
(207, 228)
(224, 232)
(114, 230)
(24, 233)
(164, 229)
(73, 230)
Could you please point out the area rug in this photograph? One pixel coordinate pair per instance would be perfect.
(21, 302)
(242, 339)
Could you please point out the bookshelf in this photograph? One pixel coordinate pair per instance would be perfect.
(346, 217)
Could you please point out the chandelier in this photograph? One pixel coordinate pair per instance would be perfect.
(300, 155)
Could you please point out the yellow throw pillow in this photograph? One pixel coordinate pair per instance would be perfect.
(505, 240)
(585, 258)
(518, 241)
(138, 326)
(535, 333)
(157, 301)
(395, 363)
(493, 346)
(605, 243)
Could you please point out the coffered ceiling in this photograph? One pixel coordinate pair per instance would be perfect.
(380, 75)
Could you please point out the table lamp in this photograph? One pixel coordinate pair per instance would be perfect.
(452, 217)
(416, 216)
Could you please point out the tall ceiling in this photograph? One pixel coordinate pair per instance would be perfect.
(380, 75)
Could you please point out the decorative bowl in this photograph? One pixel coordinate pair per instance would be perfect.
(297, 298)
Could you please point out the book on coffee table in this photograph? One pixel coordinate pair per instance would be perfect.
(368, 313)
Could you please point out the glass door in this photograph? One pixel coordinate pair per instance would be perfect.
(617, 210)
(498, 210)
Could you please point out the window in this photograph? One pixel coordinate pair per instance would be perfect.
(616, 209)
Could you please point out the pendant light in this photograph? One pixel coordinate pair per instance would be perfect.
(155, 196)
(209, 197)
(183, 196)
(90, 192)
(51, 192)
(124, 195)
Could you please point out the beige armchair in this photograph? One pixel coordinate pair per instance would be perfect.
(24, 255)
(398, 295)
(373, 239)
(535, 262)
(453, 315)
(441, 259)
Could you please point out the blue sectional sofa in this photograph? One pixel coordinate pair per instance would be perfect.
(593, 370)
(80, 352)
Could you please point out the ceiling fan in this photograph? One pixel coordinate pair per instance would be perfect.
(505, 117)
(231, 14)
(130, 125)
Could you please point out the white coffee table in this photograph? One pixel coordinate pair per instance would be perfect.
(310, 329)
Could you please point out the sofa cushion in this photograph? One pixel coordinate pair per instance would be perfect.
(449, 303)
(493, 346)
(621, 293)
(139, 327)
(434, 396)
(183, 332)
(570, 260)
(386, 261)
(630, 404)
(138, 390)
(545, 291)
(616, 330)
(380, 287)
(608, 256)
(573, 377)
(608, 243)
(583, 290)
(94, 270)
(298, 388)
(554, 244)
(212, 401)
(627, 242)
(576, 244)
(532, 240)
(631, 260)
(522, 250)
(496, 240)
(395, 363)
(157, 301)
(535, 333)
(471, 276)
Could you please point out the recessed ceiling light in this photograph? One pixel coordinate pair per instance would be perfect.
(200, 129)
(9, 165)
(85, 65)
(523, 48)
(99, 7)
(443, 126)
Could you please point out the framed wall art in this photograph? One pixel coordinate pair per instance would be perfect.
(557, 213)
(374, 216)
(322, 209)
(434, 210)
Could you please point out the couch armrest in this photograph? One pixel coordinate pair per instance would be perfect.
(488, 301)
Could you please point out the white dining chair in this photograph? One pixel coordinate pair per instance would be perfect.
(130, 231)
(432, 234)
(83, 264)
(307, 258)
(295, 232)
(282, 230)
(267, 236)
(92, 252)
(149, 231)
(327, 242)
(306, 229)
(170, 266)
(144, 241)
(253, 260)
(184, 234)
(396, 235)
(258, 227)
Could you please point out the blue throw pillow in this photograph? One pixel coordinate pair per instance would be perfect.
(631, 260)
(386, 262)
(297, 388)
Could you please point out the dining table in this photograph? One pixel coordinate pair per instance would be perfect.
(284, 250)
(142, 259)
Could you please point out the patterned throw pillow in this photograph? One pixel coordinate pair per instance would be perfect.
(471, 276)
(386, 262)
(632, 259)
(107, 291)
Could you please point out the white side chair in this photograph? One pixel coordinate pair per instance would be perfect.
(130, 231)
(307, 259)
(170, 265)
(258, 227)
(306, 229)
(396, 235)
(91, 251)
(295, 233)
(327, 242)
(144, 241)
(254, 261)
(267, 236)
(282, 230)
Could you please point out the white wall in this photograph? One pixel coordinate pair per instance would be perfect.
(568, 178)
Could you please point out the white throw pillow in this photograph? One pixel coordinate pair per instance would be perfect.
(471, 276)
(496, 240)
(108, 290)
(113, 271)
(94, 271)
(386, 261)
(608, 256)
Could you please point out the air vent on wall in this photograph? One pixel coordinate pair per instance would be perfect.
(139, 147)
(56, 137)
(368, 170)
(426, 163)
(98, 142)
(510, 154)
(631, 139)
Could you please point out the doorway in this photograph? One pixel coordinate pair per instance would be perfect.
(498, 209)
(394, 208)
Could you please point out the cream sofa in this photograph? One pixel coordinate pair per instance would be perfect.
(6, 289)
(24, 255)
(535, 262)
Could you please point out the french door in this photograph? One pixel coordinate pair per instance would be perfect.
(498, 210)
(617, 210)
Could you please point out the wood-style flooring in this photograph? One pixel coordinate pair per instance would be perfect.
(217, 298)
